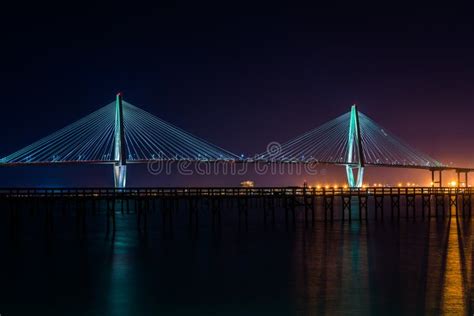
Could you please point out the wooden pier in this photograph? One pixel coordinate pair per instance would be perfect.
(311, 204)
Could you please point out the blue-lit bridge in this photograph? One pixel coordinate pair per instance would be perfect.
(121, 133)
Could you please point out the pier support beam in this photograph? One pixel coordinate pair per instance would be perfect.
(120, 168)
(437, 182)
(355, 155)
(465, 172)
(120, 175)
(355, 176)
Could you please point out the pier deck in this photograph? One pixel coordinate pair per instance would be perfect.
(359, 204)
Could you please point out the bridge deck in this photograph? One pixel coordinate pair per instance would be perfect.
(227, 192)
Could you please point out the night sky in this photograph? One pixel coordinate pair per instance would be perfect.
(238, 77)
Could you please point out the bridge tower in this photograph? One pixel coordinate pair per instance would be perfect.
(355, 155)
(120, 166)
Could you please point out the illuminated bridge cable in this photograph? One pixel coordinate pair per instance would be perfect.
(329, 143)
(91, 139)
(149, 138)
(380, 147)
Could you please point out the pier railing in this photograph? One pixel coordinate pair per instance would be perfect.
(227, 192)
(407, 202)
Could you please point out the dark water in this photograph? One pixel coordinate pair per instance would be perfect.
(373, 268)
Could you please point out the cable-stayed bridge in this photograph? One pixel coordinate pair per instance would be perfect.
(354, 141)
(121, 133)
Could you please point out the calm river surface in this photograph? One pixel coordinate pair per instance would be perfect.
(373, 268)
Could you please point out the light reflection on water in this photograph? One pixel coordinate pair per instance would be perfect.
(374, 268)
(119, 292)
(384, 268)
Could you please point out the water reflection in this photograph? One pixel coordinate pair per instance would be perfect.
(453, 292)
(389, 269)
(362, 268)
(121, 287)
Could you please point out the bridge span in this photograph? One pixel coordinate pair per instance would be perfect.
(120, 134)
